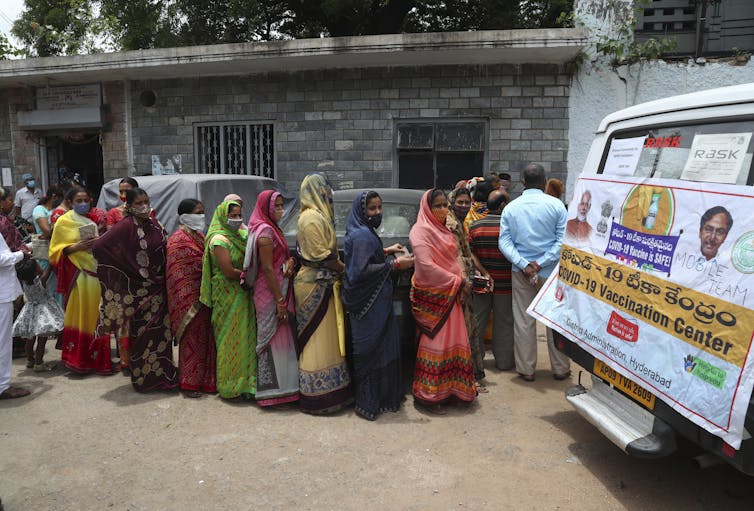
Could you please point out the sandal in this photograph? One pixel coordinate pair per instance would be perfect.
(192, 393)
(29, 364)
(44, 368)
(482, 389)
(435, 409)
(14, 392)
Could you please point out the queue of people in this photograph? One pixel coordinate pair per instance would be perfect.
(253, 321)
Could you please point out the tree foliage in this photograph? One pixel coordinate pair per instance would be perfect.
(56, 27)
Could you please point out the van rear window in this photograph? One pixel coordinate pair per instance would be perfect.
(715, 152)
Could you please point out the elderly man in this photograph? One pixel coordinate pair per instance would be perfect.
(578, 228)
(10, 289)
(483, 239)
(531, 234)
(27, 198)
(714, 227)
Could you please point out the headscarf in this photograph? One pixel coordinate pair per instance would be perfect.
(436, 282)
(316, 202)
(366, 268)
(316, 194)
(263, 216)
(219, 226)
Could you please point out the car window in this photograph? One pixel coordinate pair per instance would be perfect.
(397, 219)
(714, 152)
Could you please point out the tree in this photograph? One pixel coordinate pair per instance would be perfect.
(54, 27)
(348, 17)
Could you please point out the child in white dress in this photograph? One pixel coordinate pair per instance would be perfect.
(41, 316)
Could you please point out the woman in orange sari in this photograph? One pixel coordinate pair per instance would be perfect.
(443, 362)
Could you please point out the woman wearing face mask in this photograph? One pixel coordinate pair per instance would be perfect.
(268, 258)
(443, 362)
(460, 204)
(9, 231)
(233, 316)
(324, 379)
(368, 297)
(115, 215)
(131, 269)
(71, 255)
(41, 216)
(190, 320)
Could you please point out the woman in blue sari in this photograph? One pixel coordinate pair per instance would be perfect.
(367, 296)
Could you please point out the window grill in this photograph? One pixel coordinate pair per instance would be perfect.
(235, 148)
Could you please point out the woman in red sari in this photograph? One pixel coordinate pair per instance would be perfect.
(189, 318)
(131, 269)
(443, 362)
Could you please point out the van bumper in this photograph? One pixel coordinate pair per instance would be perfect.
(629, 426)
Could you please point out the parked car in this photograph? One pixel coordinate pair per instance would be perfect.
(167, 191)
(399, 211)
(689, 142)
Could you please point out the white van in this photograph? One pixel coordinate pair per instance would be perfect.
(655, 289)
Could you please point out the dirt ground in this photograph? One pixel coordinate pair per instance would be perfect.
(92, 443)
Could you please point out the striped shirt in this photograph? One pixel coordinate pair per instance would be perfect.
(483, 238)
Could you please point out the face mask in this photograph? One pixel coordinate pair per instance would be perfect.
(440, 214)
(141, 211)
(234, 223)
(375, 220)
(461, 211)
(194, 221)
(82, 208)
(31, 184)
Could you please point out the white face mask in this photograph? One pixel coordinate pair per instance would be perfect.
(235, 223)
(194, 221)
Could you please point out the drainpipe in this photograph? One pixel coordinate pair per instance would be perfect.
(127, 128)
(701, 20)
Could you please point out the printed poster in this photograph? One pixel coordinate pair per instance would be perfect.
(717, 157)
(656, 279)
(623, 156)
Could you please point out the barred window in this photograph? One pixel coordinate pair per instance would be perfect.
(439, 153)
(235, 148)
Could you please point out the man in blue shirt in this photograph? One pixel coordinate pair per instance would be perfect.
(531, 234)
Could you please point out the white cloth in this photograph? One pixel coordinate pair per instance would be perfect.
(27, 201)
(10, 289)
(6, 344)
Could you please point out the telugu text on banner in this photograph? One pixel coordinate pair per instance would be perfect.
(662, 290)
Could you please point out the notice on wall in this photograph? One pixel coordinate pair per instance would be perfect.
(69, 96)
(7, 177)
(623, 156)
(662, 292)
(717, 158)
(162, 166)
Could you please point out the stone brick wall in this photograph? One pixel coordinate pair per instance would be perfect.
(6, 145)
(114, 151)
(342, 121)
(25, 144)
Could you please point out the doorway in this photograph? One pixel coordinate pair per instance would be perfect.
(75, 157)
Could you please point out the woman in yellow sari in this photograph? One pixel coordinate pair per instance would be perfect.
(324, 381)
(76, 268)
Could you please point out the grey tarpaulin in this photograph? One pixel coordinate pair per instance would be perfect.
(166, 192)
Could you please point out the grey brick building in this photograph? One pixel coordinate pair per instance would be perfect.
(401, 110)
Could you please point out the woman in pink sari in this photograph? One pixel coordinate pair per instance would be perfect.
(443, 362)
(190, 320)
(268, 266)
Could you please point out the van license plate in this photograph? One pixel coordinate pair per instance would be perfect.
(631, 388)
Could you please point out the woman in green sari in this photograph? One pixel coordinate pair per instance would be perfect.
(233, 315)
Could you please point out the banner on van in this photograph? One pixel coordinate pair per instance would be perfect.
(656, 279)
